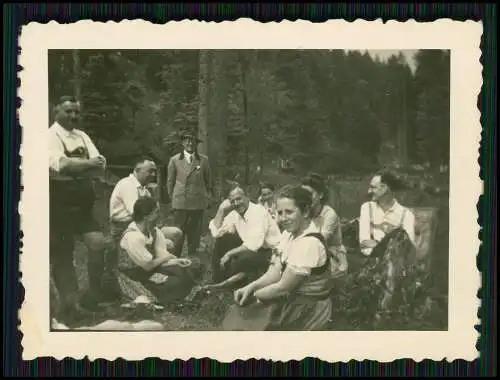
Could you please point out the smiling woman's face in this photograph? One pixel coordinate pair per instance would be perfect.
(289, 215)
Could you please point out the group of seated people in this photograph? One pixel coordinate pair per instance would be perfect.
(282, 251)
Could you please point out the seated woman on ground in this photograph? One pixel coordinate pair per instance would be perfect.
(296, 285)
(325, 218)
(150, 263)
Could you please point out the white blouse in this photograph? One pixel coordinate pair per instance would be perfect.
(134, 242)
(301, 253)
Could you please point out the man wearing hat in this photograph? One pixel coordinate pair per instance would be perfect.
(189, 186)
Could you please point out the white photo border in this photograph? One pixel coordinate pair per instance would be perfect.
(459, 342)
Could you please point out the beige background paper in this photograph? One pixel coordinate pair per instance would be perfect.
(463, 38)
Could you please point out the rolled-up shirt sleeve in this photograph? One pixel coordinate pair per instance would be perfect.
(364, 227)
(409, 225)
(226, 227)
(134, 245)
(331, 228)
(364, 222)
(56, 152)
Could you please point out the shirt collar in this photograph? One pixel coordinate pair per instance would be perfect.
(311, 229)
(394, 208)
(134, 227)
(187, 154)
(63, 131)
(135, 181)
(251, 205)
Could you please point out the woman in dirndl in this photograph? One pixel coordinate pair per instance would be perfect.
(294, 292)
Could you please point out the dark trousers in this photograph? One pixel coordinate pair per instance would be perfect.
(190, 222)
(71, 214)
(64, 226)
(254, 264)
(178, 285)
(61, 262)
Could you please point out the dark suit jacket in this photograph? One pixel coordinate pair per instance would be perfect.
(189, 185)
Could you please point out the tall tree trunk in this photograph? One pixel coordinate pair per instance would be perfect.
(219, 95)
(243, 74)
(203, 82)
(403, 130)
(77, 83)
(259, 142)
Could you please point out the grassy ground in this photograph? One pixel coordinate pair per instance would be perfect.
(208, 313)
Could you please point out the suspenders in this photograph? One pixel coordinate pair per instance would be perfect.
(85, 154)
(75, 192)
(372, 224)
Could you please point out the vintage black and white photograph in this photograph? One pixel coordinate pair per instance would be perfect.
(248, 189)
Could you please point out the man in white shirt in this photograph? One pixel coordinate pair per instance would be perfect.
(383, 214)
(245, 234)
(74, 163)
(121, 205)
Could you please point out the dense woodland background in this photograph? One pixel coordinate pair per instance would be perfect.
(335, 111)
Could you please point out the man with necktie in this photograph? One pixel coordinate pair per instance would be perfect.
(189, 186)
